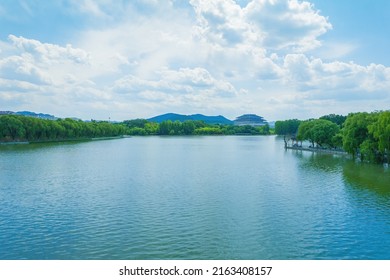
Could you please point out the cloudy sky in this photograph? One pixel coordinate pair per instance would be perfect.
(127, 59)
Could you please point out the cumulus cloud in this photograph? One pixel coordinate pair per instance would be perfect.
(22, 68)
(341, 77)
(49, 52)
(287, 25)
(221, 22)
(223, 56)
(272, 24)
(185, 81)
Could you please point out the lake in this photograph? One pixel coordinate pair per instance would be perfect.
(211, 197)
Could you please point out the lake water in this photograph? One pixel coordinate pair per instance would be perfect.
(233, 197)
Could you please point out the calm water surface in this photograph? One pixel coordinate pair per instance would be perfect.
(189, 198)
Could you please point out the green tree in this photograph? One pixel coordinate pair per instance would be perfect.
(188, 127)
(151, 128)
(12, 128)
(287, 127)
(318, 131)
(380, 130)
(208, 131)
(136, 123)
(165, 127)
(305, 132)
(337, 140)
(337, 119)
(355, 132)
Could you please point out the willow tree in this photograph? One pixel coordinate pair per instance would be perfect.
(380, 130)
(321, 132)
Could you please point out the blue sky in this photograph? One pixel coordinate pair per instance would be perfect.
(136, 59)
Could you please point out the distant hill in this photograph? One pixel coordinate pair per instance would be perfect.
(36, 115)
(30, 114)
(197, 117)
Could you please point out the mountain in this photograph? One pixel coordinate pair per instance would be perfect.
(197, 117)
(30, 114)
(36, 115)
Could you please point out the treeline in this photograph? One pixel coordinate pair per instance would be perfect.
(15, 128)
(363, 135)
(144, 127)
(21, 128)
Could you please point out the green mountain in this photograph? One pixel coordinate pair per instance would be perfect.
(197, 117)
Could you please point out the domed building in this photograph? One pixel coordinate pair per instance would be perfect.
(250, 119)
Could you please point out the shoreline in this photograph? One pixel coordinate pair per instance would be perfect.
(63, 140)
(317, 150)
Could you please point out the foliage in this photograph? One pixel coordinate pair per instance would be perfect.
(318, 131)
(367, 135)
(21, 128)
(11, 128)
(380, 131)
(192, 127)
(355, 132)
(288, 127)
(337, 119)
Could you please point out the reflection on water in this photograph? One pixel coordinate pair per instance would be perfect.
(318, 161)
(371, 177)
(189, 198)
(357, 216)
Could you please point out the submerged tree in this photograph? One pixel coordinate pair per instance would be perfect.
(288, 129)
(321, 132)
(355, 132)
(380, 130)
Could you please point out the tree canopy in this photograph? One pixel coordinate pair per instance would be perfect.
(319, 131)
(288, 127)
(366, 135)
(21, 128)
(334, 118)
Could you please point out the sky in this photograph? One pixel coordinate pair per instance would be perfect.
(123, 59)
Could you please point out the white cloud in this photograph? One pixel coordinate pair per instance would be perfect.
(185, 81)
(287, 25)
(17, 86)
(214, 57)
(221, 22)
(337, 77)
(49, 52)
(272, 24)
(22, 68)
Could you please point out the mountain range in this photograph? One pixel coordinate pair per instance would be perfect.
(158, 119)
(30, 114)
(195, 117)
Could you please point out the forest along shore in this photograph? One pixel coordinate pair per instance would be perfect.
(63, 140)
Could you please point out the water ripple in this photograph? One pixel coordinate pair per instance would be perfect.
(190, 198)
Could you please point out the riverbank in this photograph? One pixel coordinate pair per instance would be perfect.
(63, 140)
(317, 150)
(15, 143)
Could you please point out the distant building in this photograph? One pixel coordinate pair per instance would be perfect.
(250, 119)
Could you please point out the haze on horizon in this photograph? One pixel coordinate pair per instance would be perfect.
(136, 59)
